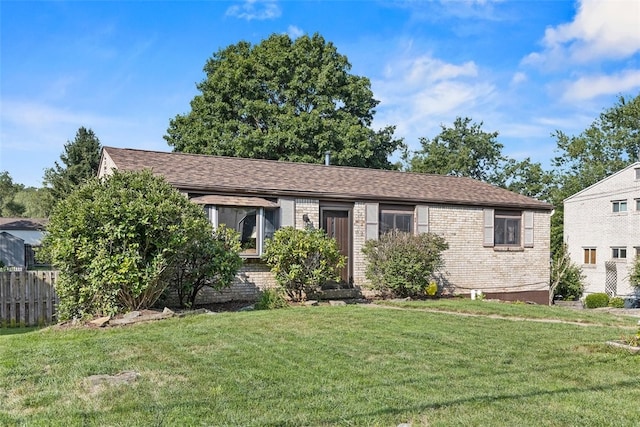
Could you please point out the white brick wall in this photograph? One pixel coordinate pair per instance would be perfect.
(469, 265)
(589, 222)
(309, 207)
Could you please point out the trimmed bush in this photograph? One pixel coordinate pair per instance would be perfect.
(616, 302)
(302, 260)
(403, 264)
(596, 300)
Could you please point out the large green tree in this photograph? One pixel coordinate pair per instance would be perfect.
(284, 99)
(465, 149)
(80, 161)
(462, 150)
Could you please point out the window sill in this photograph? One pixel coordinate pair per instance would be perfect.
(508, 249)
(589, 266)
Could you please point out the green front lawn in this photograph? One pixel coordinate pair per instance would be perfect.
(312, 366)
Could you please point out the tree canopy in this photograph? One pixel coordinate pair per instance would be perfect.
(80, 161)
(8, 191)
(462, 150)
(465, 149)
(284, 99)
(611, 143)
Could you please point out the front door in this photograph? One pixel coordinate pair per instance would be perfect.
(336, 224)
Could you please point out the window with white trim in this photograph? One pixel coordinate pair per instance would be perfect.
(619, 253)
(637, 205)
(619, 205)
(254, 224)
(506, 228)
(590, 256)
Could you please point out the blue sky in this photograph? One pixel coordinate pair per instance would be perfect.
(124, 68)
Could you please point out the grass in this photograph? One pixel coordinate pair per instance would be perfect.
(321, 366)
(519, 310)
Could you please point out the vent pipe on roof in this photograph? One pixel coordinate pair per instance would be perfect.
(327, 158)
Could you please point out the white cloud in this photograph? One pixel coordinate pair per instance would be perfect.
(294, 32)
(600, 30)
(519, 78)
(255, 9)
(590, 87)
(418, 95)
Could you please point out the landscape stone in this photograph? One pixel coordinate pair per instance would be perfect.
(100, 321)
(337, 302)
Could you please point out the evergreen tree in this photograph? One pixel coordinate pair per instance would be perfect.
(80, 162)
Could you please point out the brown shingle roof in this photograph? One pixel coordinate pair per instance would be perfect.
(231, 175)
(23, 223)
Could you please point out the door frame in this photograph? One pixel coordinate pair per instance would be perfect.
(342, 207)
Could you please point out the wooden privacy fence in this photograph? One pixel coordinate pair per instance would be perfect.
(27, 298)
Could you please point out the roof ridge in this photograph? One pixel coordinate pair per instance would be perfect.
(288, 162)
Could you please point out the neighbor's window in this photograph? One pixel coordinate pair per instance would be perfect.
(396, 219)
(506, 228)
(589, 255)
(619, 205)
(637, 173)
(255, 225)
(638, 205)
(619, 253)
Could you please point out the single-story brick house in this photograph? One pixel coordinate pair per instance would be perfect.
(499, 241)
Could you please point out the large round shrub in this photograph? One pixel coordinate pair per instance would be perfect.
(116, 242)
(403, 264)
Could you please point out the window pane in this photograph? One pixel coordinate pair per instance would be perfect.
(403, 222)
(396, 220)
(619, 253)
(386, 222)
(620, 206)
(507, 229)
(244, 221)
(593, 256)
(586, 256)
(271, 222)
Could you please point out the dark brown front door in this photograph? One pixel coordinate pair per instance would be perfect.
(336, 225)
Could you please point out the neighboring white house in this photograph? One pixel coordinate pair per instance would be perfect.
(602, 231)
